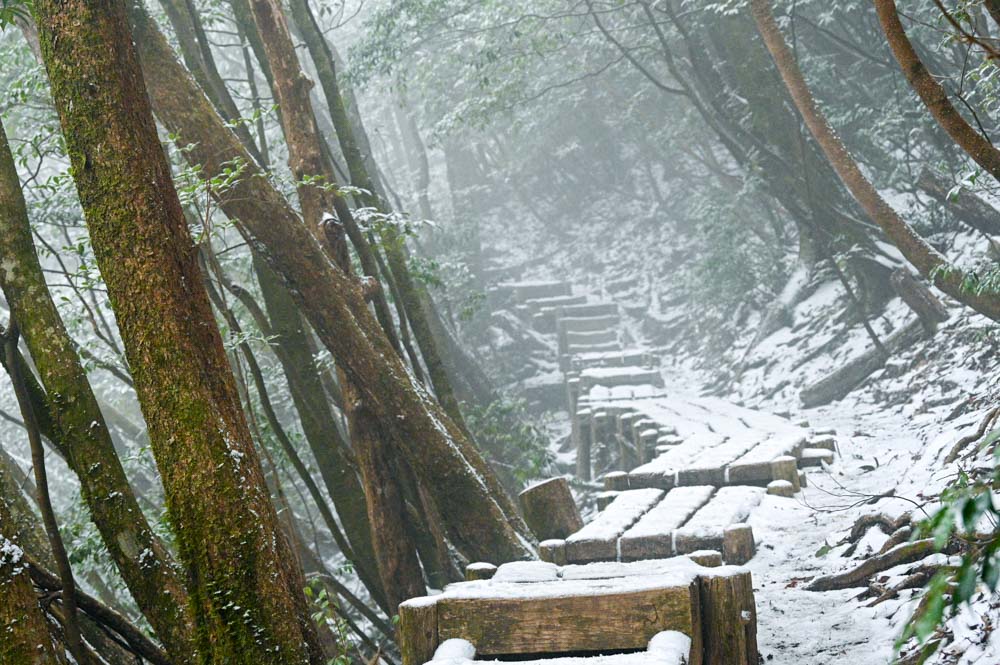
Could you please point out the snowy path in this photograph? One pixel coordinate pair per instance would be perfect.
(802, 627)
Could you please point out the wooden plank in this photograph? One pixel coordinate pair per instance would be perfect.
(754, 467)
(652, 536)
(598, 541)
(705, 530)
(572, 623)
(589, 310)
(662, 471)
(709, 467)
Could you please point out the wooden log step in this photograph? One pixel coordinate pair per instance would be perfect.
(754, 467)
(589, 309)
(573, 349)
(587, 323)
(598, 541)
(652, 537)
(710, 466)
(613, 359)
(662, 471)
(705, 530)
(558, 614)
(815, 457)
(536, 305)
(591, 337)
(619, 376)
(503, 619)
(524, 291)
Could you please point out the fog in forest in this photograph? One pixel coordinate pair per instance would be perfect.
(441, 332)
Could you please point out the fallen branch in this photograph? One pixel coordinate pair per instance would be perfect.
(905, 553)
(987, 422)
(102, 614)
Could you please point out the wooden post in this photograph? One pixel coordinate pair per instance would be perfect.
(418, 630)
(707, 558)
(786, 467)
(729, 619)
(549, 509)
(585, 427)
(737, 544)
(479, 571)
(616, 481)
(553, 551)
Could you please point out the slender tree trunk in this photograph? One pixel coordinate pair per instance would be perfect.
(245, 591)
(396, 558)
(69, 416)
(394, 244)
(933, 93)
(928, 261)
(319, 424)
(186, 22)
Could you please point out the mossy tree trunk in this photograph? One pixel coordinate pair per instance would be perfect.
(245, 590)
(285, 326)
(475, 516)
(25, 634)
(72, 420)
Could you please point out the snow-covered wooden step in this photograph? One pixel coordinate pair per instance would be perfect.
(587, 323)
(754, 468)
(815, 457)
(619, 376)
(589, 309)
(668, 647)
(574, 349)
(598, 541)
(528, 609)
(536, 305)
(625, 357)
(523, 291)
(652, 537)
(662, 471)
(591, 337)
(705, 530)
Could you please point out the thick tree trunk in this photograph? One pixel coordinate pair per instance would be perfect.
(245, 590)
(928, 261)
(458, 477)
(70, 417)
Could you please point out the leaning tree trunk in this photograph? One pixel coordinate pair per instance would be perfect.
(75, 424)
(245, 588)
(408, 291)
(458, 478)
(395, 556)
(927, 260)
(933, 94)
